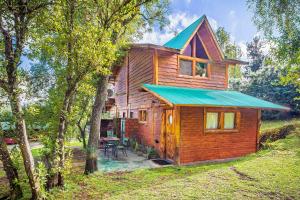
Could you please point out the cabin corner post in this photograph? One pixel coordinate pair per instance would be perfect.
(258, 128)
(177, 132)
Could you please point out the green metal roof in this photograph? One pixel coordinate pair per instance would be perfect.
(204, 97)
(182, 38)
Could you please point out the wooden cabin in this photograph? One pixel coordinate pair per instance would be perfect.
(175, 98)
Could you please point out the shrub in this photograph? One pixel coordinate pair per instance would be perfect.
(274, 134)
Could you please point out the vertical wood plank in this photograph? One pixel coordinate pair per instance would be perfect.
(155, 67)
(226, 76)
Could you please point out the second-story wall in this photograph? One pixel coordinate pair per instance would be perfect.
(136, 70)
(168, 74)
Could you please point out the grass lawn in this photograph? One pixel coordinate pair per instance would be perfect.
(277, 123)
(269, 174)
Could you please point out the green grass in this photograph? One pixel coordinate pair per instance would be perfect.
(277, 123)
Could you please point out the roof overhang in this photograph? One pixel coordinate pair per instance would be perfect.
(183, 96)
(231, 62)
(153, 46)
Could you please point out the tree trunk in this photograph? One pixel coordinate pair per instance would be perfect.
(24, 144)
(62, 127)
(10, 170)
(91, 158)
(82, 132)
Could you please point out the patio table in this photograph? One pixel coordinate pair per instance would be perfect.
(110, 142)
(108, 139)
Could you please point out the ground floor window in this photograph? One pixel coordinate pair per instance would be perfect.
(221, 121)
(143, 116)
(229, 120)
(212, 120)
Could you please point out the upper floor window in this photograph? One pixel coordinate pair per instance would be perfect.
(201, 69)
(194, 61)
(186, 67)
(190, 66)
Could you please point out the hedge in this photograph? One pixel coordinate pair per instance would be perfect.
(274, 134)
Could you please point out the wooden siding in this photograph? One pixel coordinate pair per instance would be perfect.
(199, 146)
(137, 70)
(168, 74)
(209, 42)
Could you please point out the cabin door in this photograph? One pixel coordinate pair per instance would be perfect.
(170, 139)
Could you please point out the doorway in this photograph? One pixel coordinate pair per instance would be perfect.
(170, 137)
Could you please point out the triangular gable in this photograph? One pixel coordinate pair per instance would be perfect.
(183, 39)
(200, 52)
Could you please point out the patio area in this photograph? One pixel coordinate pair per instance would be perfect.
(123, 163)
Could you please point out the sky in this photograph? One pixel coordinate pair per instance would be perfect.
(233, 15)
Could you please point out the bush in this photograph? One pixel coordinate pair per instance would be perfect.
(274, 134)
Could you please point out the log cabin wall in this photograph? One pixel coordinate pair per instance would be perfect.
(137, 70)
(168, 74)
(195, 145)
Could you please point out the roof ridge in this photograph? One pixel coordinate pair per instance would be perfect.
(178, 41)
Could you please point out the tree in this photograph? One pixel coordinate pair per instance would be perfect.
(230, 50)
(83, 108)
(122, 20)
(255, 54)
(15, 22)
(265, 84)
(10, 170)
(280, 22)
(74, 45)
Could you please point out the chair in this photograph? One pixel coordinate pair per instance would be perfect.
(110, 133)
(122, 147)
(110, 145)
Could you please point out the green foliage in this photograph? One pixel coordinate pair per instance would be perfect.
(272, 124)
(230, 50)
(265, 83)
(280, 22)
(255, 54)
(42, 173)
(271, 135)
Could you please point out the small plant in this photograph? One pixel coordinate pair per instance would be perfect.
(42, 177)
(152, 153)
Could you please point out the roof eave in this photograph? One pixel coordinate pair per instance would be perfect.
(223, 106)
(153, 46)
(231, 62)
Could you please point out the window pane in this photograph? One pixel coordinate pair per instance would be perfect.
(186, 67)
(212, 119)
(201, 69)
(229, 120)
(145, 116)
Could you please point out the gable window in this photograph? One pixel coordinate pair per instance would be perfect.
(194, 60)
(143, 116)
(186, 67)
(222, 121)
(201, 69)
